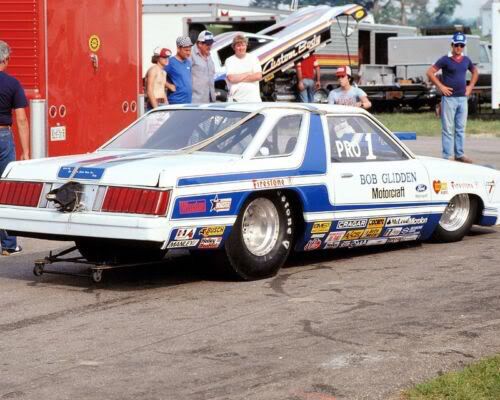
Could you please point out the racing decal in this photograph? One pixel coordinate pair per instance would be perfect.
(440, 187)
(376, 223)
(210, 242)
(212, 230)
(392, 231)
(321, 227)
(82, 173)
(405, 220)
(421, 188)
(271, 183)
(408, 230)
(317, 235)
(313, 244)
(335, 236)
(388, 178)
(182, 243)
(192, 206)
(352, 223)
(354, 234)
(409, 238)
(371, 233)
(376, 242)
(331, 245)
(394, 239)
(185, 233)
(463, 185)
(382, 193)
(490, 189)
(220, 205)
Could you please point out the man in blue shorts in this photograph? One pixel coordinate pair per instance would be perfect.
(12, 97)
(179, 73)
(455, 90)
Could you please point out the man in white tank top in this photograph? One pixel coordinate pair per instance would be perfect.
(156, 79)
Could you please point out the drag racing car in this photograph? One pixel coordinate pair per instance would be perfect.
(253, 182)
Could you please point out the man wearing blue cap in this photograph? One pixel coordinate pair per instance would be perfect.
(455, 92)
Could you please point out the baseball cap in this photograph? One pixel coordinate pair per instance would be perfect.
(183, 41)
(343, 71)
(162, 52)
(459, 37)
(206, 37)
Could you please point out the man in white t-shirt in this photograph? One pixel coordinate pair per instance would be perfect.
(243, 73)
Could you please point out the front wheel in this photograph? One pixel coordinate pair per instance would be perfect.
(457, 219)
(262, 236)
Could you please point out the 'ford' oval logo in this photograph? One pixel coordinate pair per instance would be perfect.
(421, 188)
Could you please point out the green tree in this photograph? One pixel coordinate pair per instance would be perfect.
(444, 11)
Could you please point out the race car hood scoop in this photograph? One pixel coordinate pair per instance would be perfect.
(67, 197)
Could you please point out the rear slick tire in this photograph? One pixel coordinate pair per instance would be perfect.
(457, 219)
(262, 236)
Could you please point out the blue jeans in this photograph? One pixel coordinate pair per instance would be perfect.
(307, 95)
(7, 154)
(453, 120)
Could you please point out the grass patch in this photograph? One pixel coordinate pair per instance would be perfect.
(479, 381)
(427, 124)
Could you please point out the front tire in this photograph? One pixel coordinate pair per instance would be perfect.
(457, 219)
(262, 236)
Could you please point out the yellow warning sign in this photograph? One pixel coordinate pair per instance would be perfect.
(94, 43)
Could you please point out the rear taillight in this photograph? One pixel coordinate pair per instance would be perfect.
(26, 194)
(135, 201)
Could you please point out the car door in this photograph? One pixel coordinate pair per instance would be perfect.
(376, 185)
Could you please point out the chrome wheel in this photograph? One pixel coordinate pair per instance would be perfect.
(456, 213)
(260, 226)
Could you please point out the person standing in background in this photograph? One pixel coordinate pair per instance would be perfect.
(12, 97)
(243, 73)
(346, 94)
(203, 69)
(454, 102)
(308, 78)
(156, 79)
(179, 73)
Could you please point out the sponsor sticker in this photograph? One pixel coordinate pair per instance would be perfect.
(313, 244)
(383, 193)
(376, 223)
(407, 230)
(359, 243)
(270, 183)
(321, 227)
(396, 239)
(405, 220)
(317, 236)
(185, 233)
(182, 243)
(377, 242)
(421, 188)
(220, 205)
(335, 236)
(192, 206)
(392, 231)
(332, 245)
(490, 188)
(352, 223)
(212, 230)
(440, 187)
(408, 238)
(462, 186)
(210, 243)
(345, 244)
(355, 234)
(371, 233)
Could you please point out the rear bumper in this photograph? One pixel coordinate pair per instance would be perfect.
(50, 223)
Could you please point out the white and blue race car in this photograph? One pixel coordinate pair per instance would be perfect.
(253, 181)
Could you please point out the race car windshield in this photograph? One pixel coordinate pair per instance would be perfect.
(178, 129)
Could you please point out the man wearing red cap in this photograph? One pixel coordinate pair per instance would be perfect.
(156, 79)
(347, 94)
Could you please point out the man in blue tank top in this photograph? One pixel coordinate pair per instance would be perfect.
(453, 86)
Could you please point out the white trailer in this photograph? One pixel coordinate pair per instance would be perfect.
(495, 37)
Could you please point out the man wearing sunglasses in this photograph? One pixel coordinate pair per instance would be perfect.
(455, 91)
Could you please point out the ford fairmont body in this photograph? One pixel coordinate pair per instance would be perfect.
(253, 181)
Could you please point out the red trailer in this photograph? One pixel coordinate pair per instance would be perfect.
(80, 65)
